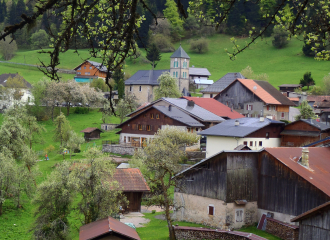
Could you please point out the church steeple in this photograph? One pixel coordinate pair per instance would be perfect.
(180, 68)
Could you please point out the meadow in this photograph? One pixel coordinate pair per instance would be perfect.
(285, 65)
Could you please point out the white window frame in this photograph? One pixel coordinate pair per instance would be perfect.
(241, 217)
(90, 67)
(249, 107)
(208, 209)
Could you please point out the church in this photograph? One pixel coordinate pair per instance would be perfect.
(144, 82)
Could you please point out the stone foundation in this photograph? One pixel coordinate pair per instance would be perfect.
(189, 233)
(119, 149)
(282, 230)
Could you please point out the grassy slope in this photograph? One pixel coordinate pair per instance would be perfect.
(282, 65)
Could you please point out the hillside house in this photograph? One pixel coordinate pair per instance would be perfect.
(133, 185)
(215, 107)
(144, 82)
(91, 133)
(315, 223)
(324, 116)
(303, 132)
(256, 133)
(89, 70)
(286, 89)
(254, 98)
(212, 90)
(107, 229)
(235, 188)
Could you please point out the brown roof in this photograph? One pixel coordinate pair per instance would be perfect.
(317, 98)
(131, 179)
(310, 212)
(89, 130)
(322, 104)
(318, 173)
(295, 99)
(104, 226)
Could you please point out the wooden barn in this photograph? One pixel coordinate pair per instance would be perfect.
(315, 223)
(303, 132)
(133, 186)
(91, 133)
(107, 229)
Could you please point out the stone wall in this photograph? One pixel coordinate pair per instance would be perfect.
(189, 233)
(119, 149)
(282, 230)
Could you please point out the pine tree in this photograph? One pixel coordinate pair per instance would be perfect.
(2, 16)
(20, 9)
(171, 13)
(307, 80)
(153, 55)
(118, 76)
(12, 14)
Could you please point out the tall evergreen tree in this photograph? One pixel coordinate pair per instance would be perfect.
(153, 55)
(20, 9)
(2, 16)
(118, 75)
(12, 14)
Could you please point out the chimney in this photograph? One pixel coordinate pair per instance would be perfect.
(169, 107)
(305, 157)
(236, 123)
(190, 103)
(262, 119)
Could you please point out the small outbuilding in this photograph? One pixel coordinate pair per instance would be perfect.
(107, 229)
(91, 133)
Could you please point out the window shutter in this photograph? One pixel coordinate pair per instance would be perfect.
(275, 108)
(247, 106)
(267, 108)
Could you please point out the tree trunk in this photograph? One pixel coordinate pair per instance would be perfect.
(53, 108)
(168, 214)
(68, 109)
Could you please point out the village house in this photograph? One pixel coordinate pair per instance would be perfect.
(212, 90)
(286, 89)
(256, 133)
(235, 188)
(144, 82)
(91, 133)
(315, 223)
(107, 229)
(303, 132)
(324, 116)
(89, 70)
(254, 98)
(133, 185)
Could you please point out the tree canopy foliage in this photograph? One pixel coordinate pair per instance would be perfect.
(168, 87)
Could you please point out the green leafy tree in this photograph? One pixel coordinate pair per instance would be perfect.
(118, 76)
(153, 55)
(38, 91)
(17, 84)
(199, 45)
(306, 111)
(62, 129)
(280, 38)
(307, 80)
(168, 87)
(39, 39)
(98, 83)
(93, 180)
(54, 202)
(249, 74)
(317, 90)
(74, 142)
(122, 110)
(159, 161)
(172, 14)
(8, 48)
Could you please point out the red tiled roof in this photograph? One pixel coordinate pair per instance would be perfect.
(317, 98)
(89, 130)
(215, 107)
(318, 173)
(295, 99)
(106, 225)
(131, 180)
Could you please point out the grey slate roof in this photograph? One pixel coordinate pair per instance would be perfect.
(99, 66)
(4, 77)
(179, 115)
(180, 53)
(222, 83)
(196, 110)
(246, 126)
(199, 71)
(145, 77)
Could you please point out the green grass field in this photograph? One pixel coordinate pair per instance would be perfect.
(282, 65)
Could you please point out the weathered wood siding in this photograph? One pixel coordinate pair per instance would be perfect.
(301, 126)
(208, 179)
(236, 95)
(92, 135)
(242, 177)
(282, 190)
(134, 199)
(145, 119)
(316, 227)
(274, 131)
(227, 176)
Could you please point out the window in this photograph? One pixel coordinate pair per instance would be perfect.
(176, 63)
(267, 135)
(85, 67)
(152, 116)
(176, 74)
(124, 139)
(260, 143)
(79, 73)
(90, 67)
(157, 116)
(239, 215)
(188, 129)
(211, 210)
(128, 139)
(87, 73)
(282, 115)
(267, 108)
(211, 95)
(140, 88)
(130, 88)
(148, 128)
(140, 127)
(251, 143)
(245, 143)
(145, 115)
(196, 129)
(173, 74)
(274, 108)
(249, 107)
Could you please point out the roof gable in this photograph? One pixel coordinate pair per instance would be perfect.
(180, 53)
(311, 122)
(90, 129)
(222, 83)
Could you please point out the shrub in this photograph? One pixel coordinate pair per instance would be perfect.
(163, 27)
(39, 39)
(49, 149)
(200, 45)
(81, 110)
(153, 211)
(280, 38)
(163, 42)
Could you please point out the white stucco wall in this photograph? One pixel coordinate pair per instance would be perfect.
(131, 135)
(194, 208)
(215, 144)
